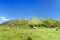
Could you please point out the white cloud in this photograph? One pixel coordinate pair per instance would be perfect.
(3, 18)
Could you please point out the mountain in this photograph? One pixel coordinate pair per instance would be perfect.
(32, 22)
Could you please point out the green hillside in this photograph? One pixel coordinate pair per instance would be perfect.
(31, 29)
(29, 34)
(32, 22)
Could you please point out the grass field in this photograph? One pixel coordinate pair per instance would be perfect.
(29, 34)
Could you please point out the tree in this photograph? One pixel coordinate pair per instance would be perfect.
(21, 21)
(34, 22)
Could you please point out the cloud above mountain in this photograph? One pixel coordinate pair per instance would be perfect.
(3, 19)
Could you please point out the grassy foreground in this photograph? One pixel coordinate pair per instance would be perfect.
(29, 34)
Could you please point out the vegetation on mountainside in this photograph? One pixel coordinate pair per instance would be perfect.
(7, 33)
(21, 29)
(33, 22)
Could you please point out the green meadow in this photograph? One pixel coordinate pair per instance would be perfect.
(7, 33)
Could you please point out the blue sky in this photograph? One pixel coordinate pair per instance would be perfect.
(13, 9)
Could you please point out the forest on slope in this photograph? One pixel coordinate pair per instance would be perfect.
(33, 22)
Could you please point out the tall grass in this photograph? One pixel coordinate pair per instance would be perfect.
(7, 33)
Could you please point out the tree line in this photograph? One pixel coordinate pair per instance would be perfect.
(33, 22)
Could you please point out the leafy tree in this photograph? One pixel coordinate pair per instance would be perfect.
(21, 21)
(34, 22)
